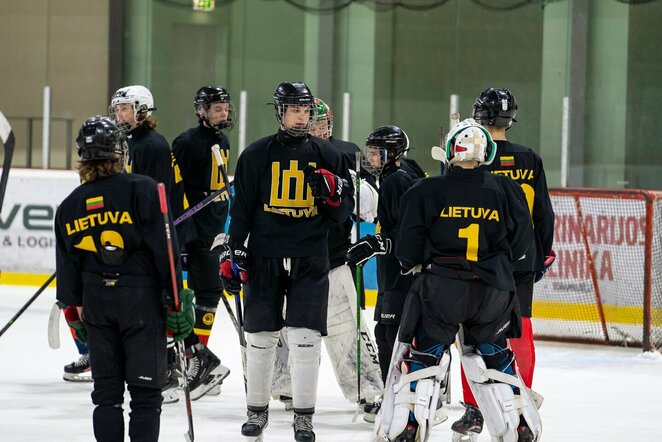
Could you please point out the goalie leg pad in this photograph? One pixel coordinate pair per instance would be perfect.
(305, 347)
(399, 400)
(260, 355)
(500, 406)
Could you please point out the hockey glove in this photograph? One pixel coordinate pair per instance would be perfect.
(79, 329)
(233, 268)
(324, 185)
(368, 247)
(180, 323)
(546, 265)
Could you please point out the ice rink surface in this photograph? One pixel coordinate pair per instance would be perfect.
(592, 393)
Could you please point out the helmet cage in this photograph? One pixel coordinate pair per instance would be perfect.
(469, 141)
(324, 114)
(208, 95)
(139, 97)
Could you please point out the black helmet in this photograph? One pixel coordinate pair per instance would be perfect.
(100, 139)
(389, 142)
(495, 107)
(208, 95)
(294, 94)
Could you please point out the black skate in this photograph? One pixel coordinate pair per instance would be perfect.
(170, 391)
(467, 428)
(255, 425)
(370, 410)
(79, 371)
(303, 428)
(204, 372)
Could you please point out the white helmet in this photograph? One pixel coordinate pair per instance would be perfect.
(138, 96)
(469, 141)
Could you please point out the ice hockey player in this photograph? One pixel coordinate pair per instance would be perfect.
(463, 231)
(289, 188)
(341, 316)
(201, 152)
(383, 156)
(112, 263)
(496, 110)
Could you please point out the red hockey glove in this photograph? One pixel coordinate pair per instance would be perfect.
(324, 185)
(233, 268)
(546, 265)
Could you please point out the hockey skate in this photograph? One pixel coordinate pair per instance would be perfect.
(252, 429)
(79, 371)
(467, 428)
(170, 391)
(370, 410)
(204, 372)
(303, 428)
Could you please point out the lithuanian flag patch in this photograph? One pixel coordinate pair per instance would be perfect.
(94, 203)
(507, 161)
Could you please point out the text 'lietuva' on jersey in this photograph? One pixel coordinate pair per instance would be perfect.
(111, 225)
(274, 204)
(469, 214)
(524, 166)
(194, 151)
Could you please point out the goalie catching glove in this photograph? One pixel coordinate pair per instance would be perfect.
(324, 185)
(180, 323)
(233, 268)
(368, 247)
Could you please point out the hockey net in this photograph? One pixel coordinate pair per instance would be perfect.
(606, 284)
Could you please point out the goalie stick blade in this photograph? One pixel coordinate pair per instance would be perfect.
(54, 327)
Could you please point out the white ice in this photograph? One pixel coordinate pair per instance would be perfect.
(592, 393)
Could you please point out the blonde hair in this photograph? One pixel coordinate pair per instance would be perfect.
(89, 171)
(149, 122)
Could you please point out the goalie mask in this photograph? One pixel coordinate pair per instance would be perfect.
(495, 107)
(100, 139)
(294, 104)
(469, 141)
(214, 107)
(323, 120)
(141, 103)
(384, 146)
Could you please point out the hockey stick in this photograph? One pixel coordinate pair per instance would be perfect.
(7, 136)
(54, 325)
(27, 304)
(237, 297)
(189, 436)
(201, 205)
(358, 269)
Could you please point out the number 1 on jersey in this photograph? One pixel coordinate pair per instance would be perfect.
(471, 234)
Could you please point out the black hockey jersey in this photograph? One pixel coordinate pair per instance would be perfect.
(120, 212)
(395, 182)
(525, 167)
(469, 214)
(150, 155)
(273, 203)
(194, 151)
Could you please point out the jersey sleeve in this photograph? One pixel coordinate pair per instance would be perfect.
(69, 284)
(388, 210)
(543, 213)
(519, 225)
(412, 229)
(246, 197)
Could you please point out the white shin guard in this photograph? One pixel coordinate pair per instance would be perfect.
(500, 406)
(260, 354)
(305, 345)
(399, 400)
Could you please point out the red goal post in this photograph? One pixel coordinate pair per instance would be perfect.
(606, 284)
